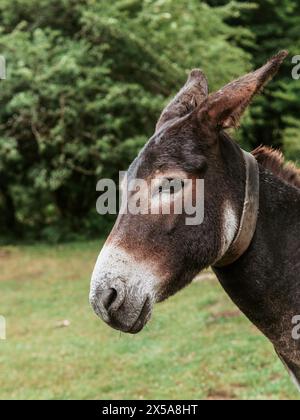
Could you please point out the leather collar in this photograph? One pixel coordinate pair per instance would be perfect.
(249, 217)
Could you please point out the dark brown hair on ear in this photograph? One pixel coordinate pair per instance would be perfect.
(187, 99)
(225, 107)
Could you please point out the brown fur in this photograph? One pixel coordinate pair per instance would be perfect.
(273, 160)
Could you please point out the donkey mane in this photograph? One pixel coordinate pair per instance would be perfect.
(274, 161)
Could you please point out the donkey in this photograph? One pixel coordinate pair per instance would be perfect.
(250, 233)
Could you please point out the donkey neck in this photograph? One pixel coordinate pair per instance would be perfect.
(247, 224)
(265, 281)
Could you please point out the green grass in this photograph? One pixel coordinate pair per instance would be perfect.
(198, 345)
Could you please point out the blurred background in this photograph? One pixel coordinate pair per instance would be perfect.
(86, 82)
(87, 79)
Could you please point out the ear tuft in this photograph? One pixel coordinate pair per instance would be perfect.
(193, 93)
(225, 107)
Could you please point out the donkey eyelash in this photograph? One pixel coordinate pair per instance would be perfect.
(166, 187)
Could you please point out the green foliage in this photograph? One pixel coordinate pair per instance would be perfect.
(86, 82)
(273, 117)
(291, 139)
(87, 79)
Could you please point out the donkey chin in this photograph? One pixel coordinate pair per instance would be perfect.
(119, 293)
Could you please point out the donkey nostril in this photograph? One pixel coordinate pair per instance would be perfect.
(108, 297)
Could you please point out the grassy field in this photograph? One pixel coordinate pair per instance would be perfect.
(197, 346)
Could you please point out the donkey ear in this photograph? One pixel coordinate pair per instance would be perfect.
(225, 107)
(193, 93)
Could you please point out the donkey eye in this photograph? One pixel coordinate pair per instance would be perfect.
(171, 186)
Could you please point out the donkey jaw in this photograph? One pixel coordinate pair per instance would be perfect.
(123, 291)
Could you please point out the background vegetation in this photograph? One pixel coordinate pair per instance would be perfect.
(87, 80)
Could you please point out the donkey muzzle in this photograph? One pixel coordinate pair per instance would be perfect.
(119, 309)
(122, 290)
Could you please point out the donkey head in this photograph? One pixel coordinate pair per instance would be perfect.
(150, 255)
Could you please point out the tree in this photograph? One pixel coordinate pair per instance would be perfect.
(273, 119)
(86, 83)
